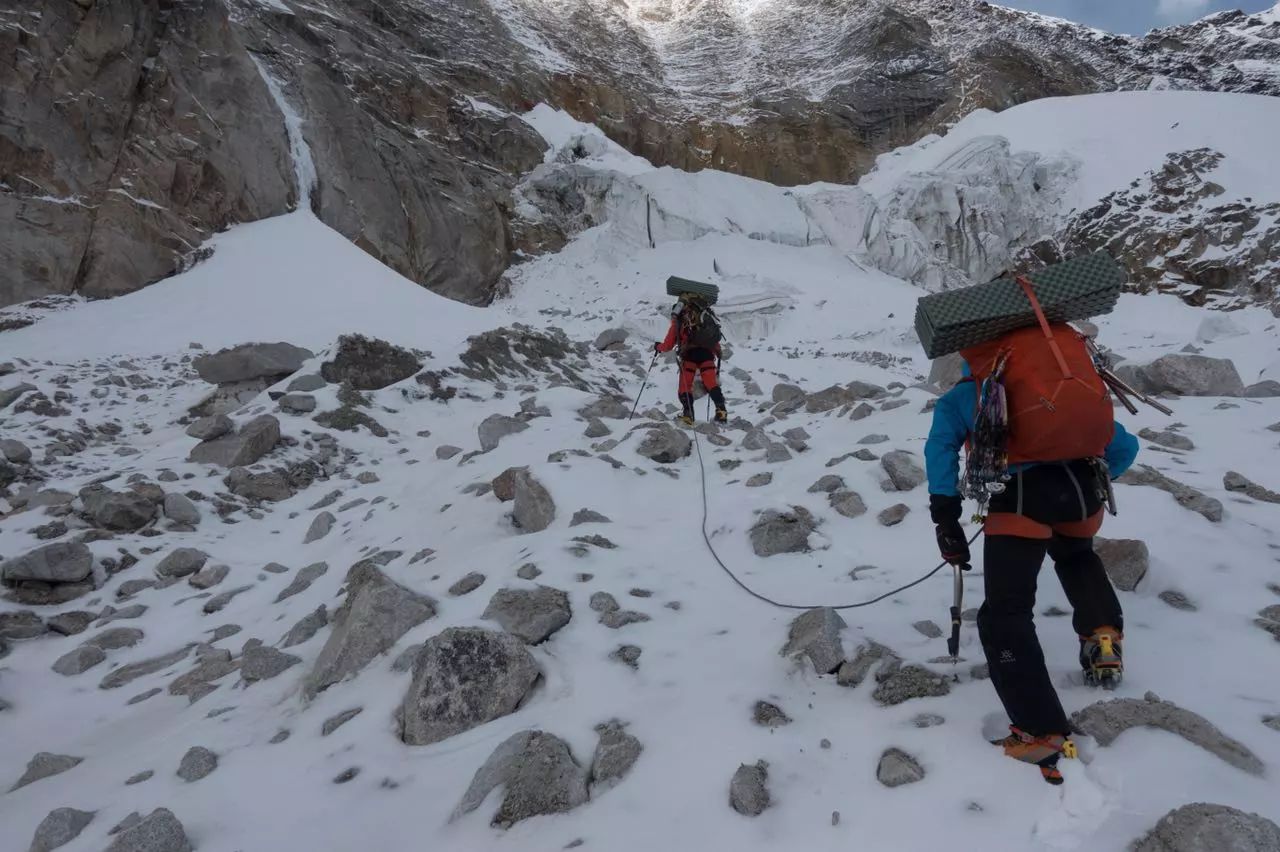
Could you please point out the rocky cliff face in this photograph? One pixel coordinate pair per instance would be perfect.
(131, 130)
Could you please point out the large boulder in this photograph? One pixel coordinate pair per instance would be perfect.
(665, 444)
(1105, 721)
(60, 827)
(161, 831)
(532, 614)
(376, 613)
(611, 339)
(250, 361)
(253, 441)
(271, 486)
(463, 678)
(1203, 827)
(815, 636)
(495, 427)
(1126, 560)
(903, 471)
(61, 562)
(1185, 375)
(782, 532)
(368, 363)
(534, 510)
(537, 773)
(120, 511)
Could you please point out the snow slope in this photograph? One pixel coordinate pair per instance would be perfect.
(813, 314)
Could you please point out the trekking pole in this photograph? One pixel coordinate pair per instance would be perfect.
(642, 386)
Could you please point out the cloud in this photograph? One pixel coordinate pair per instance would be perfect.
(1182, 8)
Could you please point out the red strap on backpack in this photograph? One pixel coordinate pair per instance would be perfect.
(1029, 290)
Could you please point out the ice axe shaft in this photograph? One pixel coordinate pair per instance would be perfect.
(953, 644)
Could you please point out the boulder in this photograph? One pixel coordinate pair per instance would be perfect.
(1203, 827)
(815, 635)
(782, 532)
(270, 487)
(1171, 440)
(665, 444)
(532, 614)
(1238, 483)
(467, 584)
(120, 511)
(61, 562)
(944, 372)
(253, 441)
(783, 392)
(893, 515)
(262, 662)
(1126, 560)
(495, 427)
(298, 403)
(199, 762)
(71, 623)
(847, 503)
(1185, 375)
(59, 828)
(250, 361)
(45, 765)
(904, 683)
(610, 339)
(181, 562)
(833, 397)
(534, 510)
(1186, 496)
(537, 773)
(827, 484)
(179, 509)
(903, 471)
(1105, 721)
(305, 384)
(897, 768)
(23, 624)
(607, 408)
(504, 484)
(616, 752)
(79, 660)
(320, 527)
(306, 627)
(1267, 389)
(161, 831)
(369, 363)
(303, 580)
(14, 451)
(213, 426)
(375, 614)
(463, 678)
(749, 789)
(768, 715)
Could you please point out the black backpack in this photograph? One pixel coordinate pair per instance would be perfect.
(703, 327)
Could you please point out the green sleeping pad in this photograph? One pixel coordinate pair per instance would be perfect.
(683, 286)
(1075, 290)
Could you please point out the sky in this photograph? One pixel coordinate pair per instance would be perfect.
(1134, 16)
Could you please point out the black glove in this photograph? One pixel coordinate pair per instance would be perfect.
(657, 349)
(952, 542)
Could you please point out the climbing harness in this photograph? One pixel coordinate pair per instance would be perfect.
(706, 537)
(642, 386)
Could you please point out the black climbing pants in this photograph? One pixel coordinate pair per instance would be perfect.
(1050, 494)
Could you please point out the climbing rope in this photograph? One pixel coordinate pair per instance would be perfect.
(706, 537)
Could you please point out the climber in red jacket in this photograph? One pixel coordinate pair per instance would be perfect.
(695, 334)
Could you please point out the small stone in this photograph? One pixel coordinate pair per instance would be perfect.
(927, 720)
(446, 452)
(897, 768)
(528, 571)
(144, 775)
(928, 629)
(532, 614)
(760, 480)
(748, 790)
(45, 765)
(827, 484)
(628, 654)
(197, 763)
(824, 743)
(209, 576)
(467, 584)
(218, 602)
(59, 828)
(769, 715)
(320, 527)
(587, 516)
(279, 737)
(79, 660)
(335, 722)
(1177, 600)
(182, 562)
(893, 515)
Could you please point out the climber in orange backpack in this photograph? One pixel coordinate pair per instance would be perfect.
(695, 334)
(1042, 444)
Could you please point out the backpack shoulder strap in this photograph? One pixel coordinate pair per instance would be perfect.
(1025, 283)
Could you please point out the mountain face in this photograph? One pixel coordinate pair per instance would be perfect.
(132, 131)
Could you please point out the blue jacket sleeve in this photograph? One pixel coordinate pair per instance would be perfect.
(952, 423)
(1121, 452)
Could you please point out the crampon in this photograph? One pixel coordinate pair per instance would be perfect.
(1043, 752)
(1102, 659)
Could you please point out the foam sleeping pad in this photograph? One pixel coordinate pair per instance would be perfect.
(681, 286)
(1077, 289)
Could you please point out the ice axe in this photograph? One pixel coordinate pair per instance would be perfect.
(953, 643)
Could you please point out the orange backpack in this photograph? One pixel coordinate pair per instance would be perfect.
(1059, 408)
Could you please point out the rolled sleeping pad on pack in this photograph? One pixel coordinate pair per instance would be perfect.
(1077, 289)
(678, 287)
